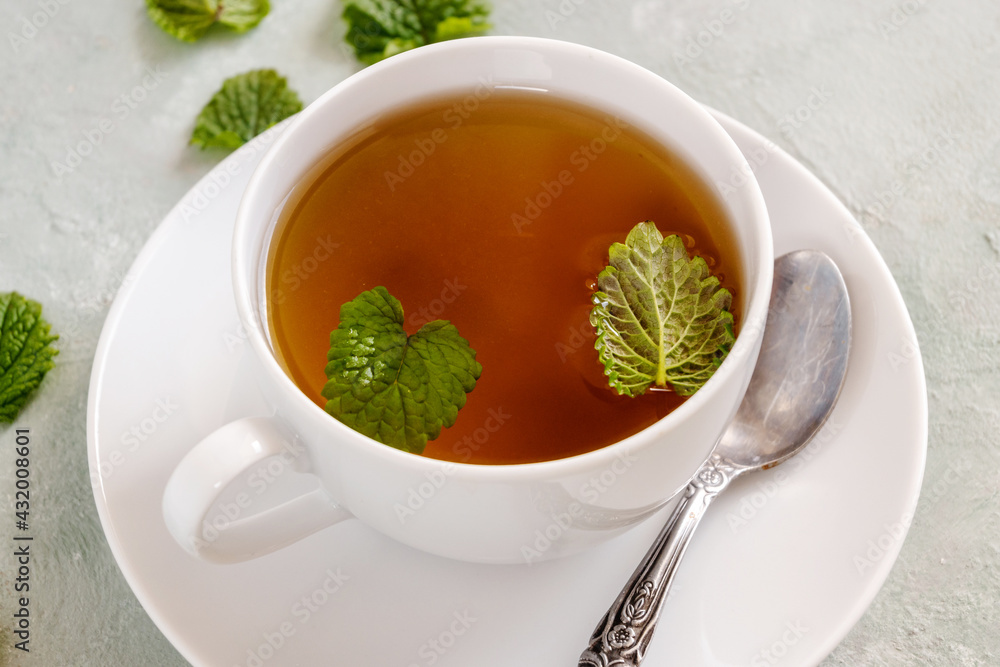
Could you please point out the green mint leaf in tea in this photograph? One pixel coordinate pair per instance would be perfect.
(188, 20)
(25, 352)
(246, 105)
(378, 29)
(661, 317)
(397, 389)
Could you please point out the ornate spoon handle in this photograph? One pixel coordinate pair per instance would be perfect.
(622, 636)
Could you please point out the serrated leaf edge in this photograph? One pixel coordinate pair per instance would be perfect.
(600, 316)
(38, 366)
(412, 342)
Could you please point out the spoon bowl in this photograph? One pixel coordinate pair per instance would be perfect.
(801, 366)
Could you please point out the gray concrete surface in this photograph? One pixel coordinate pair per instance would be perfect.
(892, 103)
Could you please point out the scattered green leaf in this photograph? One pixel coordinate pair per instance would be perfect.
(660, 316)
(398, 389)
(378, 29)
(246, 105)
(189, 19)
(25, 352)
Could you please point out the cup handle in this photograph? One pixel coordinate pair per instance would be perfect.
(202, 475)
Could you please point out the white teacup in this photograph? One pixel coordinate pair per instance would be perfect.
(483, 513)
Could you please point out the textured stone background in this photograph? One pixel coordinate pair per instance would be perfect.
(893, 104)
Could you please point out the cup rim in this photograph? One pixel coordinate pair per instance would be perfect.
(758, 294)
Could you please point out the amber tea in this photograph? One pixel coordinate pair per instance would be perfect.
(496, 213)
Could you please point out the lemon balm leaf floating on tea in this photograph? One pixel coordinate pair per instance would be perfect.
(661, 318)
(396, 388)
(188, 20)
(25, 352)
(246, 105)
(378, 29)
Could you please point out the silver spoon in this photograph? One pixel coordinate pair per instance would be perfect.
(801, 368)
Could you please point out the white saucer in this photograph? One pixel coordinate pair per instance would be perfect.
(783, 566)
